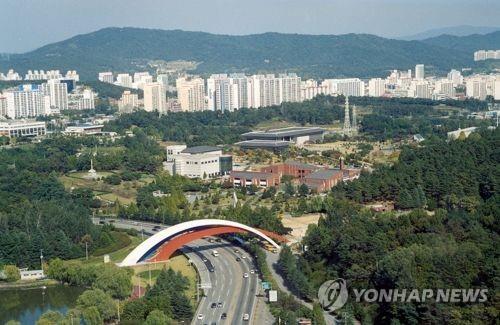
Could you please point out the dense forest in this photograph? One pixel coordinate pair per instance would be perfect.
(453, 246)
(456, 174)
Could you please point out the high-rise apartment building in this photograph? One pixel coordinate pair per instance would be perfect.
(346, 87)
(27, 101)
(58, 94)
(376, 87)
(106, 77)
(155, 97)
(476, 88)
(129, 101)
(3, 105)
(419, 72)
(86, 100)
(310, 89)
(124, 80)
(289, 88)
(191, 93)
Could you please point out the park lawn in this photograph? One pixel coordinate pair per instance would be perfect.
(123, 245)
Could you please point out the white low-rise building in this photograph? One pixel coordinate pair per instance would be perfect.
(22, 128)
(197, 162)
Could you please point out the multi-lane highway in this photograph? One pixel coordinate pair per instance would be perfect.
(234, 281)
(230, 279)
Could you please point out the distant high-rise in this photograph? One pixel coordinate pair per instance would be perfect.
(27, 101)
(129, 101)
(376, 87)
(155, 97)
(346, 87)
(419, 72)
(106, 77)
(124, 80)
(58, 94)
(191, 93)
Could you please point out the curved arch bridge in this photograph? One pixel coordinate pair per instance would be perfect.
(163, 244)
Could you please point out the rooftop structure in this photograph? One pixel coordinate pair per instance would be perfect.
(298, 135)
(22, 128)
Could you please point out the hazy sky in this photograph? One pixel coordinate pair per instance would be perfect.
(28, 24)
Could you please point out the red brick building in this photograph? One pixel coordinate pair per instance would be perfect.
(248, 178)
(323, 179)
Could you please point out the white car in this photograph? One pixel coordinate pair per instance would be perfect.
(246, 317)
(200, 316)
(252, 271)
(245, 275)
(243, 256)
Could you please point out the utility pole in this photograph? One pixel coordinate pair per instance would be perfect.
(41, 259)
(86, 251)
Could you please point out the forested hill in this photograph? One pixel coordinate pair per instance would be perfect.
(362, 55)
(460, 174)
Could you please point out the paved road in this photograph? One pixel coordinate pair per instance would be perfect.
(227, 283)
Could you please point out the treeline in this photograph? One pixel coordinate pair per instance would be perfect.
(168, 295)
(419, 250)
(458, 174)
(212, 128)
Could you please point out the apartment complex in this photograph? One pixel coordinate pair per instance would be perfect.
(191, 94)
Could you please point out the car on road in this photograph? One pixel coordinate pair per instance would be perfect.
(219, 305)
(243, 256)
(238, 259)
(246, 317)
(215, 253)
(236, 251)
(200, 316)
(252, 271)
(223, 316)
(213, 305)
(205, 260)
(245, 275)
(211, 269)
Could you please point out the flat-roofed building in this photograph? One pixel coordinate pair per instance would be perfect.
(84, 129)
(291, 168)
(298, 135)
(22, 128)
(276, 146)
(197, 162)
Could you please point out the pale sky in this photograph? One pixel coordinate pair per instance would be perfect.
(28, 24)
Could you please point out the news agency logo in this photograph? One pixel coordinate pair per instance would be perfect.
(333, 294)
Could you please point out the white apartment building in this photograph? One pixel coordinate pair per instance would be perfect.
(222, 93)
(22, 128)
(289, 88)
(419, 72)
(422, 90)
(346, 87)
(11, 76)
(124, 80)
(129, 101)
(310, 89)
(86, 100)
(58, 94)
(27, 101)
(141, 79)
(240, 82)
(106, 77)
(476, 88)
(482, 55)
(72, 75)
(445, 88)
(155, 97)
(3, 105)
(456, 77)
(191, 93)
(376, 87)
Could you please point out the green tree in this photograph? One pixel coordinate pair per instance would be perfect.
(92, 316)
(115, 281)
(50, 318)
(100, 300)
(11, 273)
(157, 317)
(303, 190)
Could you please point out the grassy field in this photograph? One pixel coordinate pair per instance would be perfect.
(125, 193)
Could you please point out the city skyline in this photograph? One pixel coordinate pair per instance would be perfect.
(34, 24)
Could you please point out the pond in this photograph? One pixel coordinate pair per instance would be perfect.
(26, 305)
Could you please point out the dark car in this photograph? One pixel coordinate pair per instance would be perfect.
(223, 316)
(238, 259)
(213, 305)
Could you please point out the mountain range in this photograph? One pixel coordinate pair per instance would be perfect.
(461, 30)
(322, 56)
